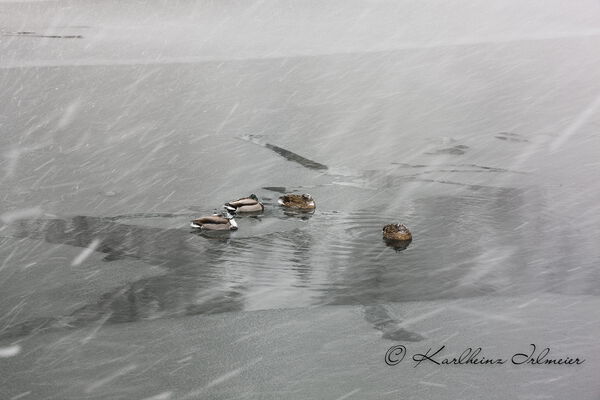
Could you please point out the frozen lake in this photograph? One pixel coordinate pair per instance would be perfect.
(474, 125)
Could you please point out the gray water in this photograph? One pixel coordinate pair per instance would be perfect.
(485, 146)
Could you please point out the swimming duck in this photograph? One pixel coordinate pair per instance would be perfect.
(223, 222)
(299, 201)
(396, 232)
(246, 204)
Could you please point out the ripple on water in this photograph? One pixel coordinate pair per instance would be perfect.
(308, 254)
(467, 245)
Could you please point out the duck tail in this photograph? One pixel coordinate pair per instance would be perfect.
(195, 225)
(229, 207)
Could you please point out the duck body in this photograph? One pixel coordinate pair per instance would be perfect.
(297, 201)
(248, 204)
(396, 232)
(223, 222)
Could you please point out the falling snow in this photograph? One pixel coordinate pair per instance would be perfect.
(475, 124)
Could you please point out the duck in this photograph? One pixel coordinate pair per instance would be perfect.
(298, 201)
(396, 232)
(223, 222)
(245, 204)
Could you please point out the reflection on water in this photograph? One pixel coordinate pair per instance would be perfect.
(463, 246)
(397, 245)
(179, 292)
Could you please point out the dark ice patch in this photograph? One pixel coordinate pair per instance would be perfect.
(288, 155)
(511, 137)
(38, 35)
(277, 189)
(291, 156)
(454, 150)
(384, 321)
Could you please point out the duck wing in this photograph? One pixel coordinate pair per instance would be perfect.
(293, 200)
(290, 198)
(215, 219)
(242, 202)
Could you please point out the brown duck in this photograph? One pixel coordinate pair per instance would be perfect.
(223, 222)
(396, 232)
(246, 204)
(297, 201)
